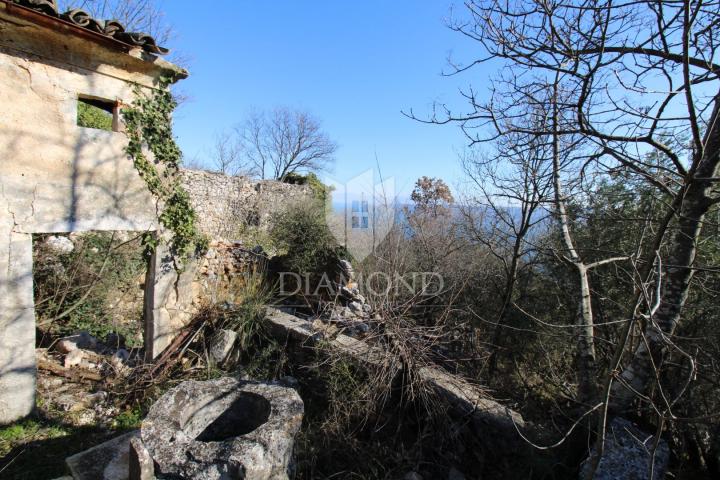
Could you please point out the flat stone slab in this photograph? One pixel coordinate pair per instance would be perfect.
(107, 461)
(489, 417)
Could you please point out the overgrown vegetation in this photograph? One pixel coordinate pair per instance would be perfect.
(320, 191)
(149, 124)
(305, 243)
(578, 278)
(97, 287)
(90, 116)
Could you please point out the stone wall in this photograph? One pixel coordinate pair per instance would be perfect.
(178, 296)
(224, 270)
(227, 205)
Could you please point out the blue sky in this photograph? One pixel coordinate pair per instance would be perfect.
(355, 65)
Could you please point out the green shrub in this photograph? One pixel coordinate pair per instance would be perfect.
(83, 290)
(320, 190)
(128, 419)
(90, 116)
(309, 247)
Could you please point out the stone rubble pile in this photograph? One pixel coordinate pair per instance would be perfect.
(224, 266)
(350, 311)
(82, 350)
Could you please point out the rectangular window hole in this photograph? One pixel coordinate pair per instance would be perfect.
(98, 114)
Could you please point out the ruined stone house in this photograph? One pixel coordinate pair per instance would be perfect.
(55, 175)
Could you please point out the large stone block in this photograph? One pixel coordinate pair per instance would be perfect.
(107, 461)
(223, 429)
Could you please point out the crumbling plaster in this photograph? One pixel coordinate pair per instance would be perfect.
(54, 175)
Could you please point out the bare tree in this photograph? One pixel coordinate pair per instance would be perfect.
(628, 85)
(226, 155)
(144, 16)
(633, 78)
(283, 142)
(514, 183)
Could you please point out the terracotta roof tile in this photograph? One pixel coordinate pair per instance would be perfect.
(109, 28)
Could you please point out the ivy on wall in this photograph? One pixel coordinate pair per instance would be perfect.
(148, 123)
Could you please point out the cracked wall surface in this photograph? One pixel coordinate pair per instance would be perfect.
(54, 175)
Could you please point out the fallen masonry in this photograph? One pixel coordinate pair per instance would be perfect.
(492, 421)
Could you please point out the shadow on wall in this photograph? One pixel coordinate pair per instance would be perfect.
(97, 188)
(55, 177)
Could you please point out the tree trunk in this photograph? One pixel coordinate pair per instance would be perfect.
(677, 275)
(507, 302)
(586, 330)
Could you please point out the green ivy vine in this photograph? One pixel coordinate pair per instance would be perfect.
(148, 123)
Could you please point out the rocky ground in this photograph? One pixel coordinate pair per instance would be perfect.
(74, 409)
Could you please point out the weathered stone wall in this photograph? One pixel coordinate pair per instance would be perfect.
(227, 205)
(224, 270)
(54, 175)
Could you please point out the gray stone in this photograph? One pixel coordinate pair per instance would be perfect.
(347, 270)
(141, 466)
(74, 358)
(119, 360)
(627, 454)
(17, 326)
(81, 340)
(59, 245)
(223, 429)
(355, 307)
(68, 403)
(221, 345)
(412, 476)
(107, 461)
(96, 398)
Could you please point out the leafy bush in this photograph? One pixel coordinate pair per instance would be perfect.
(90, 116)
(308, 244)
(95, 288)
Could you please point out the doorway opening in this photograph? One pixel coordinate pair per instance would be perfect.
(90, 282)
